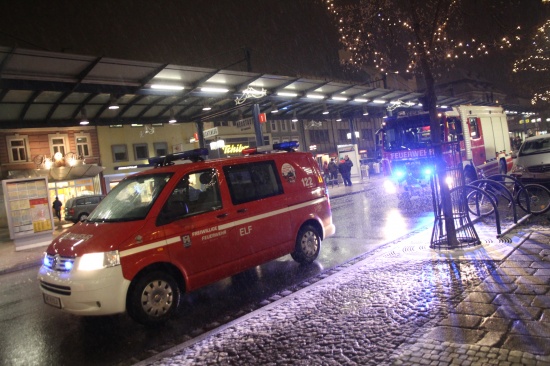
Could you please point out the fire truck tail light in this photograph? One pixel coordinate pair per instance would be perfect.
(95, 261)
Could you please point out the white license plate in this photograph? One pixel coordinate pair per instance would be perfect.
(52, 300)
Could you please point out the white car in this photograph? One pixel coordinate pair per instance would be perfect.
(532, 164)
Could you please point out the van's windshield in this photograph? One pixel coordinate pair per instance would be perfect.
(131, 199)
(537, 146)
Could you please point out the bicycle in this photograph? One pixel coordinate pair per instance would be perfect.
(531, 198)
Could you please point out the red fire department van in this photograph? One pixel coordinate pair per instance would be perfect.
(172, 229)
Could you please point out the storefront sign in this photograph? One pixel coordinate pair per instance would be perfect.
(234, 149)
(244, 123)
(211, 132)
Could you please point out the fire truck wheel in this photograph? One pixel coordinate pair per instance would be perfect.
(308, 245)
(153, 298)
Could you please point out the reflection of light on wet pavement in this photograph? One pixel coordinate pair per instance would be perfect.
(395, 224)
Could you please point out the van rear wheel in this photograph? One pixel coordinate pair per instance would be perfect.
(308, 245)
(153, 298)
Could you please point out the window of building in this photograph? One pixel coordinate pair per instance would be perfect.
(273, 125)
(58, 144)
(366, 134)
(254, 181)
(83, 145)
(318, 136)
(18, 148)
(342, 135)
(161, 148)
(294, 126)
(283, 126)
(141, 152)
(120, 153)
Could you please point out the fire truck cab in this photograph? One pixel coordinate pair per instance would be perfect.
(178, 227)
(481, 133)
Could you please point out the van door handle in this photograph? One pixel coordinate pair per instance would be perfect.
(221, 216)
(242, 210)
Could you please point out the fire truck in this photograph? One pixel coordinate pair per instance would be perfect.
(479, 132)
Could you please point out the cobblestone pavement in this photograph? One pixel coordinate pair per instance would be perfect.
(403, 304)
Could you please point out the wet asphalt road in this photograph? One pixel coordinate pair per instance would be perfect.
(41, 335)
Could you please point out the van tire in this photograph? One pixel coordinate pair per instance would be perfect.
(308, 245)
(83, 216)
(153, 298)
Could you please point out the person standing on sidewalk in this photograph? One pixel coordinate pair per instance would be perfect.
(325, 171)
(346, 171)
(333, 170)
(57, 207)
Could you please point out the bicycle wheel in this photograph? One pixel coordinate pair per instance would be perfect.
(534, 197)
(479, 203)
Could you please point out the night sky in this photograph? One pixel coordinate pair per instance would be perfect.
(286, 37)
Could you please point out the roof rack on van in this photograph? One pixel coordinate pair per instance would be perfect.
(281, 146)
(192, 155)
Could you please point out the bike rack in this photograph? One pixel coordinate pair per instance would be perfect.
(501, 190)
(495, 181)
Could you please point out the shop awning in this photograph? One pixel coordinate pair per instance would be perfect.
(58, 174)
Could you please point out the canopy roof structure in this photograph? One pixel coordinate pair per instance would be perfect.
(45, 89)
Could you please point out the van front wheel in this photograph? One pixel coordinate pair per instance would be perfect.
(308, 245)
(153, 298)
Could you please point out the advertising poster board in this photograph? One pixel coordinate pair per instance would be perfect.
(30, 217)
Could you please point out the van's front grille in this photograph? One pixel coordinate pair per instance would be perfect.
(58, 263)
(57, 289)
(539, 168)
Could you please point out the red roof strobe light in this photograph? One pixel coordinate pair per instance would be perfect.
(281, 146)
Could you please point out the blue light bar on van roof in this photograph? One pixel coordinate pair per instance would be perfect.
(281, 146)
(192, 155)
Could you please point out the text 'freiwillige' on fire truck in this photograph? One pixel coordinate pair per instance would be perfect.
(406, 151)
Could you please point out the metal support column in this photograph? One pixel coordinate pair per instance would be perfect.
(200, 129)
(257, 126)
(352, 130)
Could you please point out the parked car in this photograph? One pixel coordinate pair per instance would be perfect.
(78, 208)
(532, 164)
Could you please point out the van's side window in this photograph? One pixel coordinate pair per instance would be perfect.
(195, 193)
(254, 181)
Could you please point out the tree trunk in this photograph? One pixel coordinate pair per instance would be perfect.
(436, 133)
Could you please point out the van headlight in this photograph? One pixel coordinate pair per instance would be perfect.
(95, 261)
(517, 169)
